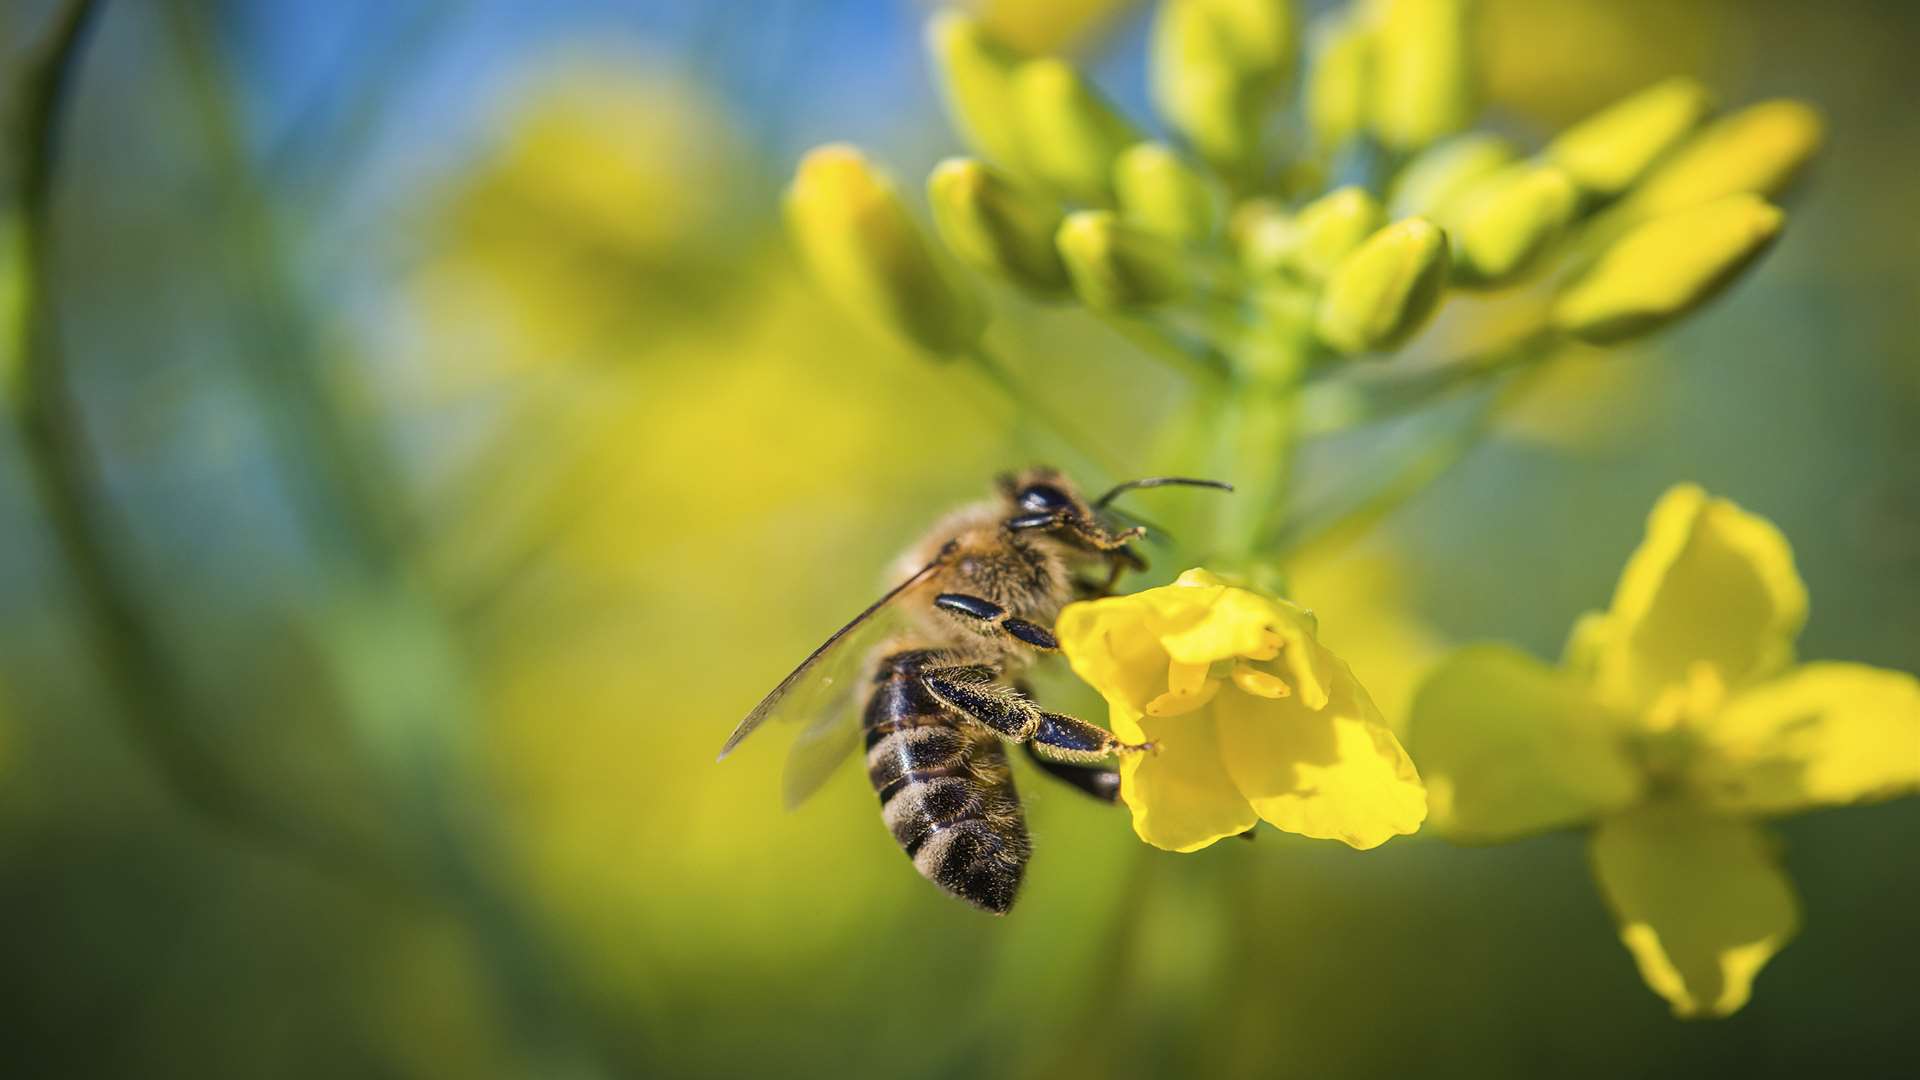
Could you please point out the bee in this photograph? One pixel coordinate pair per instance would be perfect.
(943, 651)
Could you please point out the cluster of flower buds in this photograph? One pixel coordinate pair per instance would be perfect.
(1331, 203)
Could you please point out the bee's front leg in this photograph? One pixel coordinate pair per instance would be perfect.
(985, 614)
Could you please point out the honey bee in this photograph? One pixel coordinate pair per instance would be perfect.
(943, 652)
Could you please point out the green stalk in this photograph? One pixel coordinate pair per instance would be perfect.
(398, 668)
(152, 703)
(1432, 461)
(1085, 457)
(1258, 425)
(1259, 431)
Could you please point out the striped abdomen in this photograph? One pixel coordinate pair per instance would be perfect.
(945, 789)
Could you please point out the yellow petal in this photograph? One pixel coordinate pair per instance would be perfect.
(1106, 643)
(1821, 735)
(1333, 774)
(1237, 623)
(1701, 903)
(1710, 584)
(1180, 794)
(1509, 747)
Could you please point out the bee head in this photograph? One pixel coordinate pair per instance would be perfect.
(1042, 499)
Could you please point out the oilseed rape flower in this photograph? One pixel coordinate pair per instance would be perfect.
(1251, 718)
(1678, 720)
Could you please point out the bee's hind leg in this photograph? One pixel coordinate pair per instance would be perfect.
(1100, 781)
(970, 690)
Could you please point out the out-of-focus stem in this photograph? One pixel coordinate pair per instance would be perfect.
(150, 700)
(1336, 405)
(1089, 456)
(1428, 464)
(1195, 360)
(1258, 425)
(397, 669)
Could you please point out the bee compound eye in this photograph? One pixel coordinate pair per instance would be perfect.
(1043, 497)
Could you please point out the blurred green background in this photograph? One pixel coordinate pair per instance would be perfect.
(473, 456)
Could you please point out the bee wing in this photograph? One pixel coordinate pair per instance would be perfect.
(827, 671)
(821, 748)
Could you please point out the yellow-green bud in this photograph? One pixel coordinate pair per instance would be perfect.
(1423, 80)
(976, 75)
(996, 226)
(1433, 180)
(1115, 267)
(1070, 136)
(869, 254)
(1163, 194)
(1384, 292)
(1329, 228)
(1339, 80)
(1262, 34)
(1667, 267)
(1610, 150)
(1501, 225)
(1758, 150)
(1216, 66)
(1262, 234)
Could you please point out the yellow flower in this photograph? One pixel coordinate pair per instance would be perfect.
(1676, 720)
(1252, 718)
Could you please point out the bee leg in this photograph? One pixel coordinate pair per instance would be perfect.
(1100, 781)
(969, 690)
(991, 616)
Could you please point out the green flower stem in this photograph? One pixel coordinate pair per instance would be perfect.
(1258, 428)
(1428, 464)
(1088, 457)
(1338, 404)
(151, 701)
(1192, 359)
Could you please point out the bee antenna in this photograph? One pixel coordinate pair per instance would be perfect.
(1158, 481)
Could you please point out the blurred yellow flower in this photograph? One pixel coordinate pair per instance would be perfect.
(1677, 717)
(1252, 718)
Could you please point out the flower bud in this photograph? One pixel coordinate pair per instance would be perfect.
(1216, 66)
(1261, 232)
(1115, 267)
(1339, 79)
(1329, 228)
(868, 253)
(996, 226)
(1502, 224)
(1667, 267)
(1610, 150)
(1758, 150)
(976, 75)
(1385, 290)
(1070, 136)
(1441, 172)
(1163, 194)
(1423, 86)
